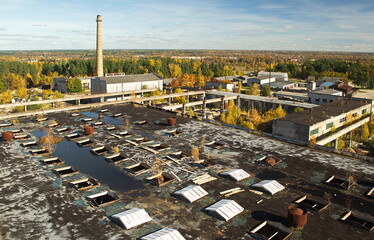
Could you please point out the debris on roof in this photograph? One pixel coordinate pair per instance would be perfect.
(138, 168)
(191, 193)
(216, 145)
(270, 230)
(232, 191)
(341, 182)
(236, 174)
(225, 209)
(270, 186)
(161, 179)
(203, 179)
(164, 234)
(131, 218)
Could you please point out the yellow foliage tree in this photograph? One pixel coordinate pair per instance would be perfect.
(22, 93)
(254, 89)
(6, 97)
(365, 133)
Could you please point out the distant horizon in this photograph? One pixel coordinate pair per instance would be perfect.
(172, 49)
(287, 25)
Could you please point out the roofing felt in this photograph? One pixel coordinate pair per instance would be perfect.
(279, 84)
(164, 234)
(236, 174)
(131, 78)
(271, 186)
(324, 112)
(131, 218)
(225, 208)
(191, 193)
(326, 92)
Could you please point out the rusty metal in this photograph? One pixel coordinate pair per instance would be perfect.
(88, 130)
(297, 215)
(6, 136)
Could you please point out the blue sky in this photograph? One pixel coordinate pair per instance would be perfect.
(323, 25)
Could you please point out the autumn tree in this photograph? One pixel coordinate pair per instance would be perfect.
(6, 97)
(254, 89)
(175, 70)
(74, 85)
(22, 93)
(265, 91)
(240, 87)
(365, 132)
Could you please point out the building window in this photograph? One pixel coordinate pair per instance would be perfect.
(317, 99)
(364, 111)
(343, 119)
(324, 100)
(354, 115)
(329, 125)
(315, 131)
(331, 100)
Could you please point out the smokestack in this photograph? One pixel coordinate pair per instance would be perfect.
(99, 49)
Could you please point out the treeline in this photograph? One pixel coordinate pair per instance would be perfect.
(359, 73)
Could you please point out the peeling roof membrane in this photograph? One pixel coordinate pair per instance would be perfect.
(164, 234)
(225, 209)
(191, 193)
(131, 218)
(236, 174)
(271, 186)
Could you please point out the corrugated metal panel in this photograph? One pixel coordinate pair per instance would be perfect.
(192, 193)
(225, 208)
(132, 218)
(271, 186)
(164, 234)
(237, 174)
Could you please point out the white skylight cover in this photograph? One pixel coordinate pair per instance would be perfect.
(225, 208)
(271, 186)
(236, 174)
(164, 234)
(132, 218)
(191, 193)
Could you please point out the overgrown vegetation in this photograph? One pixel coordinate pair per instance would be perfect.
(251, 119)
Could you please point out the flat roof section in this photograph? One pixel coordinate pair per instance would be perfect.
(324, 112)
(131, 78)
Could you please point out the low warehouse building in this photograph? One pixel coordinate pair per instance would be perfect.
(316, 122)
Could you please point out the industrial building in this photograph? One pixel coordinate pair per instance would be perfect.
(60, 84)
(279, 76)
(260, 80)
(315, 123)
(324, 96)
(123, 83)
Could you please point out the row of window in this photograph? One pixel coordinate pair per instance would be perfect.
(331, 124)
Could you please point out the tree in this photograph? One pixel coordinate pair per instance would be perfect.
(265, 91)
(175, 70)
(253, 89)
(74, 85)
(220, 88)
(22, 93)
(240, 87)
(6, 97)
(279, 112)
(365, 133)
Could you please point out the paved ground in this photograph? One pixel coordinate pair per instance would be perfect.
(36, 204)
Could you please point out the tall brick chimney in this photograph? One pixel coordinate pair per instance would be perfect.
(99, 49)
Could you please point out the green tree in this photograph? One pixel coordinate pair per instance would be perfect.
(254, 89)
(74, 85)
(240, 87)
(265, 91)
(220, 88)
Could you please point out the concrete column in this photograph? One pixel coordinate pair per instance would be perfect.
(169, 102)
(350, 140)
(99, 49)
(204, 108)
(238, 101)
(25, 108)
(102, 99)
(183, 109)
(222, 104)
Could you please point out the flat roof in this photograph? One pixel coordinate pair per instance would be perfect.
(264, 99)
(324, 112)
(131, 78)
(279, 83)
(298, 94)
(325, 91)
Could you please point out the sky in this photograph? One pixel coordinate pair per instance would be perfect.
(310, 25)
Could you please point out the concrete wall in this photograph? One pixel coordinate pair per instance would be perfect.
(289, 129)
(59, 84)
(279, 76)
(228, 86)
(321, 99)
